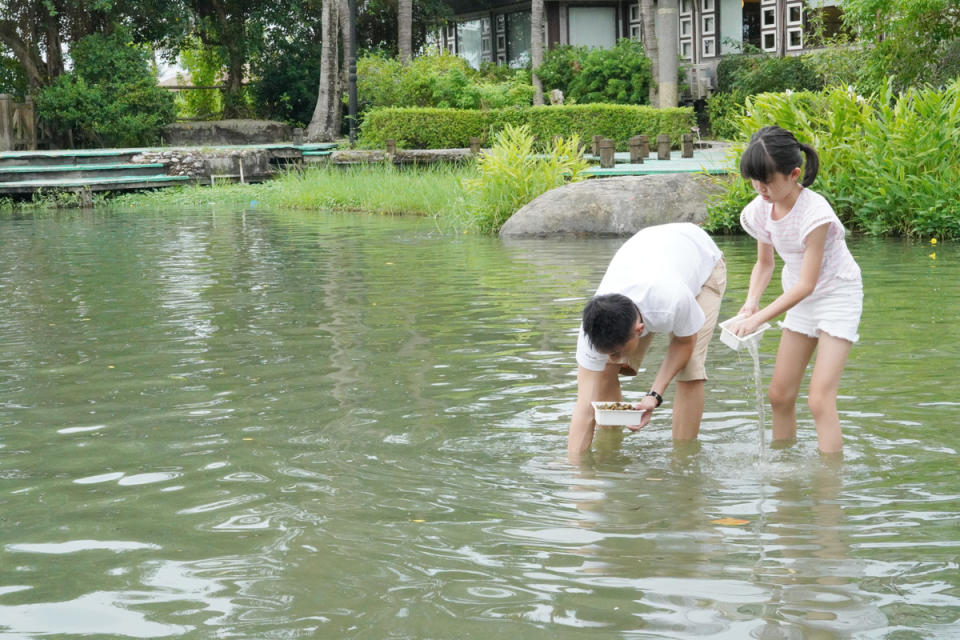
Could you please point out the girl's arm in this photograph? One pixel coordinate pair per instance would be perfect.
(809, 273)
(759, 279)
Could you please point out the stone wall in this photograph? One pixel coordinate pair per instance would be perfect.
(201, 163)
(224, 132)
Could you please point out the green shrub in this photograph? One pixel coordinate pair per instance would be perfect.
(889, 163)
(512, 174)
(110, 99)
(745, 74)
(723, 111)
(451, 128)
(560, 65)
(620, 75)
(438, 80)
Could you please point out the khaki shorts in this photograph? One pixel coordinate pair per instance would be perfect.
(709, 298)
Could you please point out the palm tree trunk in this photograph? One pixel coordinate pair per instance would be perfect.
(325, 124)
(648, 15)
(536, 47)
(405, 30)
(668, 39)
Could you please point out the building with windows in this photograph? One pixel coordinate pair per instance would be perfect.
(499, 30)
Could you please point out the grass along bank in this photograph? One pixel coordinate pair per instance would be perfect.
(384, 189)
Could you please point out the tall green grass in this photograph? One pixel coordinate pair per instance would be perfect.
(512, 174)
(889, 163)
(375, 188)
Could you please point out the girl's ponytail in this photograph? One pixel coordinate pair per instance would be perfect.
(813, 164)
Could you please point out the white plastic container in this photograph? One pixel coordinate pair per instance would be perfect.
(616, 417)
(736, 342)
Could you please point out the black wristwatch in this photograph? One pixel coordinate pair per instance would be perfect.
(657, 396)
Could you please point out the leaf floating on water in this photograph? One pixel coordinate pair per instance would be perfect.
(418, 521)
(730, 522)
(655, 479)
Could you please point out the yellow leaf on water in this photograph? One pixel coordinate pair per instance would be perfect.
(418, 521)
(730, 522)
(933, 241)
(933, 256)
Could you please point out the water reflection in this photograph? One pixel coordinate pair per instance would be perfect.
(284, 425)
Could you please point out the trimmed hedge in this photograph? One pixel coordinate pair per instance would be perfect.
(424, 128)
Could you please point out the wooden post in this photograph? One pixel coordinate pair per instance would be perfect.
(596, 145)
(606, 153)
(391, 146)
(6, 122)
(637, 150)
(663, 147)
(474, 146)
(687, 148)
(297, 136)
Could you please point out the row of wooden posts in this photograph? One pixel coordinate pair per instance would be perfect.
(640, 149)
(602, 147)
(18, 124)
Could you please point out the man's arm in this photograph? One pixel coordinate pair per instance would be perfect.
(678, 354)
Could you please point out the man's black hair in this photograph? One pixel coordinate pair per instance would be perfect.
(608, 321)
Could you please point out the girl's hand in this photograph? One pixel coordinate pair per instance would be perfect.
(745, 326)
(748, 309)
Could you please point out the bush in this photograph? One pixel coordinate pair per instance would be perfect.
(452, 128)
(621, 75)
(110, 99)
(438, 80)
(560, 65)
(889, 163)
(512, 174)
(745, 74)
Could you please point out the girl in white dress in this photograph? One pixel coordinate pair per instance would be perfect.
(822, 289)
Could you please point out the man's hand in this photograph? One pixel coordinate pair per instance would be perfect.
(647, 405)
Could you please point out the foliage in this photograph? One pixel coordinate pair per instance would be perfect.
(560, 65)
(13, 80)
(377, 23)
(512, 174)
(287, 75)
(621, 75)
(914, 42)
(451, 128)
(109, 99)
(723, 111)
(438, 80)
(752, 73)
(890, 163)
(203, 65)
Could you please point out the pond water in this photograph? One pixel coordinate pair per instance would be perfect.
(265, 424)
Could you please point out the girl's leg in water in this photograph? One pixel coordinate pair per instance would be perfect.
(832, 355)
(793, 355)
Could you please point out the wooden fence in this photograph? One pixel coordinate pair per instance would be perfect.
(18, 125)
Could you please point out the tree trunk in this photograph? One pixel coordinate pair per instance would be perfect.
(668, 46)
(536, 47)
(325, 124)
(405, 30)
(26, 53)
(648, 16)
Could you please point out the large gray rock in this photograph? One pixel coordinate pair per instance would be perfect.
(224, 132)
(617, 206)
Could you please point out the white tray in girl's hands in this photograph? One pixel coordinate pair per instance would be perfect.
(736, 342)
